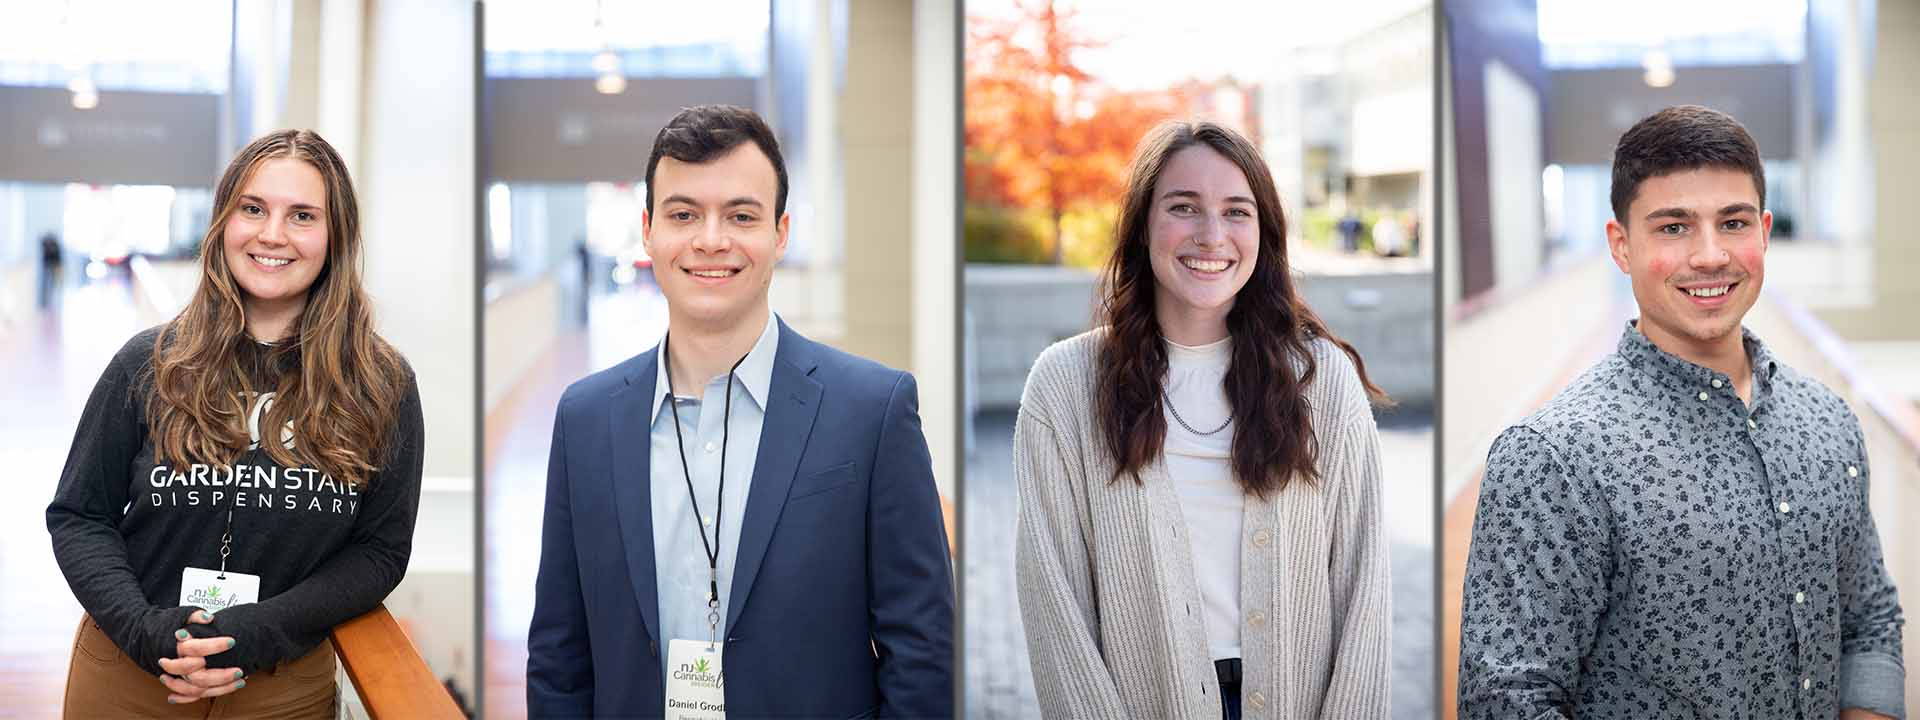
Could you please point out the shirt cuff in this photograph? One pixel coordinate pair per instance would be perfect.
(1873, 681)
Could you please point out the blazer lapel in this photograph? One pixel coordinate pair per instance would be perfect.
(793, 402)
(632, 475)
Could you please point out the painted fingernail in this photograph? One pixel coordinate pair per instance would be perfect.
(204, 617)
(230, 642)
(170, 701)
(238, 673)
(180, 634)
(242, 684)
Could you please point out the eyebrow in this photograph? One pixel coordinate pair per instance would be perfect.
(263, 201)
(1685, 214)
(1196, 196)
(735, 202)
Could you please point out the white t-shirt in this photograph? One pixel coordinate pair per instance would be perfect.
(1210, 498)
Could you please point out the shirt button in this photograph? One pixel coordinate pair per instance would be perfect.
(1799, 598)
(1716, 382)
(1752, 424)
(1703, 395)
(1256, 700)
(1257, 618)
(1853, 471)
(1262, 538)
(709, 521)
(711, 447)
(1786, 508)
(1806, 683)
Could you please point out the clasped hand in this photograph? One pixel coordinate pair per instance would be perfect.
(188, 678)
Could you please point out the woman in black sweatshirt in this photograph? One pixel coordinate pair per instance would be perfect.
(245, 476)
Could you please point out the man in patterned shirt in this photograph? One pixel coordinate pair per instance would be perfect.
(1683, 532)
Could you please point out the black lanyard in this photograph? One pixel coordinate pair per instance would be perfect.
(713, 548)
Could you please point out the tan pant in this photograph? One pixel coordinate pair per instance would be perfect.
(102, 682)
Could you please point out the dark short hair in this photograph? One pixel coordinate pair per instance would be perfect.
(703, 132)
(1683, 137)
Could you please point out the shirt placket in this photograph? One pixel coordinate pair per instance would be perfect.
(706, 464)
(1790, 533)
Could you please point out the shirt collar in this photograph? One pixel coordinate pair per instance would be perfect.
(1677, 373)
(755, 373)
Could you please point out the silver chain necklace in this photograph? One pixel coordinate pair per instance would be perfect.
(1183, 421)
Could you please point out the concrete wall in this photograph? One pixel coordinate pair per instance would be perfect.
(1016, 311)
(18, 285)
(936, 239)
(1515, 352)
(1895, 160)
(876, 141)
(520, 327)
(1388, 317)
(417, 190)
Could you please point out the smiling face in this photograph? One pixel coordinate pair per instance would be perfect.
(275, 240)
(1694, 242)
(714, 237)
(1203, 238)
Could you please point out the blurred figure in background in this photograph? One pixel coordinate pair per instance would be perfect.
(50, 266)
(1389, 234)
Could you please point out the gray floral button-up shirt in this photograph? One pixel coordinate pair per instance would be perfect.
(1649, 546)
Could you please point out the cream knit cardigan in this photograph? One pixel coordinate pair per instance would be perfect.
(1106, 579)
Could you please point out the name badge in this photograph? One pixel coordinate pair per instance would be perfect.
(696, 689)
(213, 591)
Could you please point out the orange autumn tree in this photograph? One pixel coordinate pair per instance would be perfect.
(1043, 136)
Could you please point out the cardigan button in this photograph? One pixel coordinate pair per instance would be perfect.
(1256, 701)
(1257, 618)
(1262, 538)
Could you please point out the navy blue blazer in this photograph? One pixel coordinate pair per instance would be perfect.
(843, 588)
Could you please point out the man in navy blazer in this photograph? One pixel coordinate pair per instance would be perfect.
(739, 495)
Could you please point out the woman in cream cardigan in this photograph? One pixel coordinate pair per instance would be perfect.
(1200, 476)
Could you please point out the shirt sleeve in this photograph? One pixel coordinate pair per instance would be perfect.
(1358, 577)
(1536, 582)
(1872, 676)
(84, 518)
(350, 583)
(1055, 578)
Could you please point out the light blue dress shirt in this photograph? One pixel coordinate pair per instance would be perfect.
(679, 557)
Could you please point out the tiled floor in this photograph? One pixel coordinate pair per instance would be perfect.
(48, 367)
(998, 682)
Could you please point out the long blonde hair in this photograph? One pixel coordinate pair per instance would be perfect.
(342, 385)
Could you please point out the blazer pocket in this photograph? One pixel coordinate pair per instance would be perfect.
(832, 478)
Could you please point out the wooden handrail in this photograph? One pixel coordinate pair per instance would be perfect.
(387, 672)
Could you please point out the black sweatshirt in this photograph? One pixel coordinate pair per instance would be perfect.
(124, 528)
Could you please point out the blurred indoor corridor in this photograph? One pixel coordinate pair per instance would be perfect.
(49, 362)
(519, 429)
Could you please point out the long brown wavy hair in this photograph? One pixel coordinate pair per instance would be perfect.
(339, 383)
(1271, 326)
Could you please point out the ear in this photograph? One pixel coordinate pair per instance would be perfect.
(646, 231)
(780, 236)
(1617, 245)
(1766, 229)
